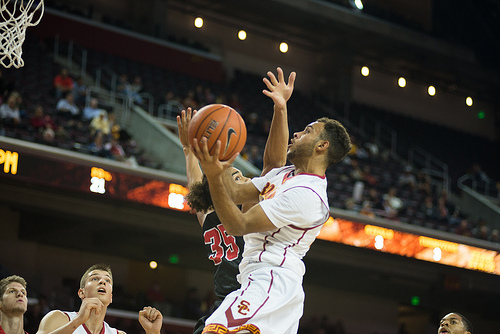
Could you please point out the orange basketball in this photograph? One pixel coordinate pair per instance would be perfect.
(219, 122)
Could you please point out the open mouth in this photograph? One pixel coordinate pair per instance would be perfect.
(101, 290)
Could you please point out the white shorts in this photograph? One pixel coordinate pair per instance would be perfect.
(270, 301)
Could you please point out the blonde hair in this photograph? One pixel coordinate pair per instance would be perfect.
(99, 266)
(11, 279)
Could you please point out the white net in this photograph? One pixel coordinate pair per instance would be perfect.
(16, 16)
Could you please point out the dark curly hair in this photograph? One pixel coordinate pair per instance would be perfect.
(199, 198)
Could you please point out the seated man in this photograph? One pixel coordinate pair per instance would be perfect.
(13, 304)
(96, 293)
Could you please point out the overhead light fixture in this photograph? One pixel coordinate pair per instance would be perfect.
(283, 47)
(365, 71)
(401, 82)
(468, 101)
(356, 4)
(242, 35)
(431, 90)
(198, 22)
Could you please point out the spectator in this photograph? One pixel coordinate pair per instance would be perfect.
(63, 83)
(99, 148)
(356, 172)
(429, 209)
(367, 209)
(368, 177)
(464, 228)
(483, 233)
(80, 91)
(21, 106)
(407, 179)
(234, 102)
(67, 108)
(189, 100)
(136, 90)
(116, 150)
(372, 148)
(9, 112)
(209, 96)
(443, 215)
(494, 237)
(255, 157)
(375, 199)
(100, 124)
(39, 121)
(392, 204)
(92, 110)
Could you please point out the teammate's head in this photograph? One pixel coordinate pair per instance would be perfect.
(99, 266)
(13, 296)
(454, 323)
(199, 198)
(5, 282)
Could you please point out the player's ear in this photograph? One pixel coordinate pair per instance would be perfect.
(323, 145)
(81, 293)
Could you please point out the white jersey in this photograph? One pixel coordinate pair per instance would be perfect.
(298, 206)
(82, 329)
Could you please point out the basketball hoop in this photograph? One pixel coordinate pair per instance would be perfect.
(16, 16)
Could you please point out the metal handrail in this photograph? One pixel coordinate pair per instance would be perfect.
(431, 165)
(166, 110)
(490, 188)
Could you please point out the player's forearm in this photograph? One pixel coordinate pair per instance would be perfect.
(277, 142)
(68, 328)
(193, 170)
(229, 214)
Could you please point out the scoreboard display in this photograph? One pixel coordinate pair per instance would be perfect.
(45, 166)
(90, 176)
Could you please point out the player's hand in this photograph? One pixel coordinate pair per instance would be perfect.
(90, 306)
(151, 320)
(211, 164)
(278, 89)
(182, 124)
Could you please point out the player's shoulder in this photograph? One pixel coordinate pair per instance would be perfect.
(58, 314)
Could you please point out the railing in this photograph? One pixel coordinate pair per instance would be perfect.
(383, 134)
(427, 163)
(168, 110)
(106, 78)
(111, 98)
(74, 55)
(484, 187)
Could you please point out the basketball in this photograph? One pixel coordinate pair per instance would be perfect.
(219, 122)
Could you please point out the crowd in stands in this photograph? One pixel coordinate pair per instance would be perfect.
(370, 181)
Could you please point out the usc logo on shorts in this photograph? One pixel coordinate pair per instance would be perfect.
(243, 307)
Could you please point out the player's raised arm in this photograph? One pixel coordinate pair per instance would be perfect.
(193, 170)
(277, 142)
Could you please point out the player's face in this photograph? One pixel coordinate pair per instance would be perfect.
(303, 142)
(237, 175)
(14, 300)
(98, 284)
(451, 324)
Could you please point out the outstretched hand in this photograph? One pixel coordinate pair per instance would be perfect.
(151, 320)
(211, 164)
(183, 124)
(278, 89)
